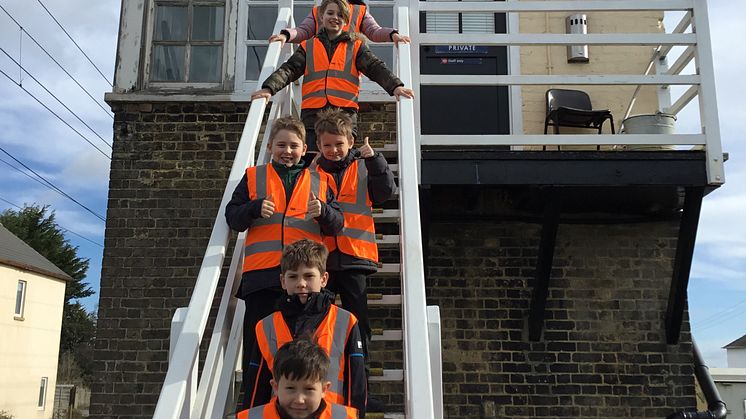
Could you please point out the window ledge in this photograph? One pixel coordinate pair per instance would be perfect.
(19, 318)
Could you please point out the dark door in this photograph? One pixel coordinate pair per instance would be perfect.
(464, 109)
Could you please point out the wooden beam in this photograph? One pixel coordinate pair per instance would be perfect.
(683, 262)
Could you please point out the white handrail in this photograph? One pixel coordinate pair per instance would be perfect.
(418, 380)
(173, 393)
(697, 43)
(558, 6)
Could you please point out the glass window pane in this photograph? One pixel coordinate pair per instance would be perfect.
(207, 23)
(384, 15)
(19, 298)
(478, 22)
(42, 392)
(384, 52)
(300, 13)
(261, 22)
(168, 63)
(170, 23)
(446, 22)
(207, 63)
(254, 59)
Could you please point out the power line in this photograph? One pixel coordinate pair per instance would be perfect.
(108, 112)
(76, 44)
(53, 186)
(26, 174)
(53, 113)
(64, 230)
(55, 97)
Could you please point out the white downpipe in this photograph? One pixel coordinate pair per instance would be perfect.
(418, 379)
(173, 393)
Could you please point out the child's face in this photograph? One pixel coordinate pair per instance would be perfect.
(334, 147)
(303, 281)
(332, 19)
(300, 397)
(287, 148)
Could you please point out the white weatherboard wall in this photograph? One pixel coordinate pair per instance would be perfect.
(29, 347)
(736, 357)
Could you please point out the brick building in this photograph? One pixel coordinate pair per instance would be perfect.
(560, 270)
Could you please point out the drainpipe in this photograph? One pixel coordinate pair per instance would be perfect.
(715, 405)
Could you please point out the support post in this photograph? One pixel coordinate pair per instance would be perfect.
(682, 264)
(544, 265)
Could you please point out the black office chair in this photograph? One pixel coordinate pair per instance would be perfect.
(572, 108)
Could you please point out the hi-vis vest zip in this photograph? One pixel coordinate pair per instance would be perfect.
(335, 81)
(357, 13)
(358, 237)
(269, 411)
(290, 221)
(272, 332)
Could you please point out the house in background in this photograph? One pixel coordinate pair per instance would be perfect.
(32, 295)
(736, 353)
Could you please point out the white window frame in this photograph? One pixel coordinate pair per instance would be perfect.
(228, 51)
(369, 91)
(43, 386)
(19, 310)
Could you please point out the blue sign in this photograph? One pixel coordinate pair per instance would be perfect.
(461, 49)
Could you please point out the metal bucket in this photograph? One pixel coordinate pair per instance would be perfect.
(658, 123)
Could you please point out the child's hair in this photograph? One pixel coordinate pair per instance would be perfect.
(344, 8)
(288, 123)
(333, 121)
(304, 252)
(300, 359)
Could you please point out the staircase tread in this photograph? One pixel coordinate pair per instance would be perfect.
(386, 215)
(387, 375)
(387, 335)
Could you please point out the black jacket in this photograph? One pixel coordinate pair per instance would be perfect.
(381, 187)
(366, 62)
(302, 320)
(241, 212)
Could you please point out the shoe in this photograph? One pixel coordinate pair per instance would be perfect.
(374, 405)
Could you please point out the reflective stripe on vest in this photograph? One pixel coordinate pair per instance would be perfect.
(358, 236)
(332, 333)
(269, 411)
(290, 222)
(335, 81)
(357, 13)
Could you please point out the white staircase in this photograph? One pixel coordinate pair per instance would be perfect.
(213, 396)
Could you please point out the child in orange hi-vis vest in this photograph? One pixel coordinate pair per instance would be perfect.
(278, 203)
(308, 311)
(331, 64)
(300, 386)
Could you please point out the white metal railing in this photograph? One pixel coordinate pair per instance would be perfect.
(419, 398)
(697, 43)
(176, 395)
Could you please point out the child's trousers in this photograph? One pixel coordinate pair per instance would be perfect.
(351, 285)
(259, 305)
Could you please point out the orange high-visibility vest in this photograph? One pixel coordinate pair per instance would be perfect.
(269, 411)
(272, 332)
(358, 237)
(357, 13)
(290, 222)
(336, 81)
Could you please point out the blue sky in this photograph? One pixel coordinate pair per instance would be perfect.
(717, 288)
